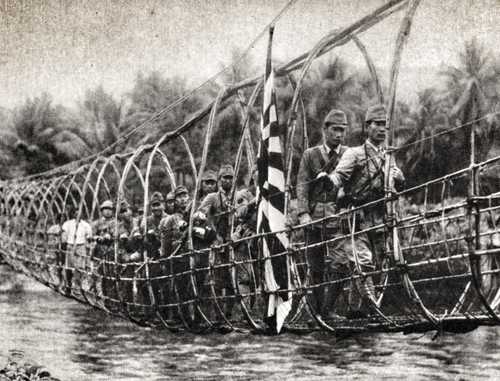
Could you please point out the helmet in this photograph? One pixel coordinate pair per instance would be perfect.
(226, 170)
(336, 117)
(170, 196)
(108, 204)
(156, 198)
(375, 113)
(209, 175)
(180, 190)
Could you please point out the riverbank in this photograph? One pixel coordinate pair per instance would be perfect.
(17, 369)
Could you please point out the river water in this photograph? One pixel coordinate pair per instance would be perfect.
(76, 342)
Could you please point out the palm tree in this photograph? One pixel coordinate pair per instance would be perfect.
(47, 135)
(102, 119)
(424, 156)
(8, 139)
(329, 86)
(466, 86)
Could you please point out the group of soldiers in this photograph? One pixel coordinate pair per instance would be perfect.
(97, 247)
(331, 178)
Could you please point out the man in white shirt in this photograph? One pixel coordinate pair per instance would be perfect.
(75, 242)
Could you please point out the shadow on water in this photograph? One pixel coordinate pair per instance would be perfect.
(77, 342)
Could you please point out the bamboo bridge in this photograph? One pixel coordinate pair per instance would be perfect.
(440, 270)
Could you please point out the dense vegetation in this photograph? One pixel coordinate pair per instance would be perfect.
(39, 134)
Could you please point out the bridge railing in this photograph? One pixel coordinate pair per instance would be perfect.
(446, 266)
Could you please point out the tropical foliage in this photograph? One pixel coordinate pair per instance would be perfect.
(39, 134)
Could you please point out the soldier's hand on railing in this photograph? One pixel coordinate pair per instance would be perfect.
(182, 225)
(305, 218)
(199, 232)
(199, 216)
(322, 176)
(325, 179)
(210, 235)
(107, 239)
(123, 238)
(135, 257)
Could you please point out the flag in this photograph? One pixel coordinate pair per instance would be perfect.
(271, 210)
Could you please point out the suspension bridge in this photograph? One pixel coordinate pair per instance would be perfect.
(440, 270)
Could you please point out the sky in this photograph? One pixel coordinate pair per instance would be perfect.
(67, 46)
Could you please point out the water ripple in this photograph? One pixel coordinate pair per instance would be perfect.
(79, 343)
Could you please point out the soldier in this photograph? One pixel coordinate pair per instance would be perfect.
(361, 173)
(151, 244)
(103, 253)
(152, 238)
(174, 244)
(170, 203)
(248, 272)
(245, 210)
(55, 258)
(103, 229)
(316, 200)
(208, 184)
(127, 248)
(217, 207)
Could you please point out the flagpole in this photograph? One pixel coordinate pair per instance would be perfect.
(269, 51)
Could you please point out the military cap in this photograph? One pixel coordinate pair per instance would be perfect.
(375, 113)
(156, 198)
(107, 204)
(170, 196)
(226, 170)
(180, 189)
(209, 175)
(336, 117)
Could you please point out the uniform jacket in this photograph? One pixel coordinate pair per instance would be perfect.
(216, 206)
(315, 197)
(153, 223)
(173, 234)
(360, 172)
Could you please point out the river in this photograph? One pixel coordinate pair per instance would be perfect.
(76, 342)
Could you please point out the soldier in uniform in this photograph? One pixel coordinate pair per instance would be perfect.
(151, 244)
(217, 207)
(152, 238)
(103, 229)
(55, 258)
(316, 200)
(170, 203)
(360, 172)
(208, 184)
(103, 254)
(174, 235)
(127, 248)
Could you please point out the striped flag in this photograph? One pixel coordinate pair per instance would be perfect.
(271, 212)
